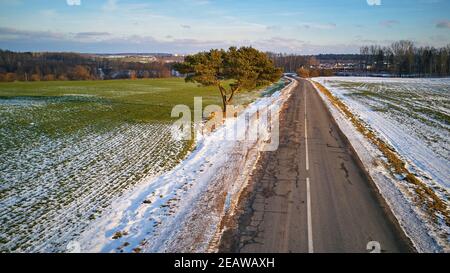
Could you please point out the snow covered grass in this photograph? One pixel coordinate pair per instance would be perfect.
(51, 190)
(406, 121)
(181, 210)
(68, 148)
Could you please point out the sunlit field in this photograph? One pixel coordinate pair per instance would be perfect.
(411, 115)
(68, 148)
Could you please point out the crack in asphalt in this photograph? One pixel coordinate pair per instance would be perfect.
(280, 167)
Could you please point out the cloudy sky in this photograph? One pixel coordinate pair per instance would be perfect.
(185, 26)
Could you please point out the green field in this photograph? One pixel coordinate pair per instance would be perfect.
(75, 105)
(68, 148)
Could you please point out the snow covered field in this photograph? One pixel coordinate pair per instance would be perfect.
(69, 165)
(180, 211)
(412, 116)
(51, 188)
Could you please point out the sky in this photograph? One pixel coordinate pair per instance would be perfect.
(187, 26)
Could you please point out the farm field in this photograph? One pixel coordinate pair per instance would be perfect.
(68, 148)
(411, 115)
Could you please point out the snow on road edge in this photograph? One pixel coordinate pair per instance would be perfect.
(180, 210)
(410, 219)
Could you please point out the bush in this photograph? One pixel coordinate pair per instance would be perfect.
(49, 77)
(35, 77)
(303, 72)
(10, 77)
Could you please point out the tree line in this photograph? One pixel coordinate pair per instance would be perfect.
(404, 58)
(28, 66)
(307, 65)
(291, 62)
(314, 72)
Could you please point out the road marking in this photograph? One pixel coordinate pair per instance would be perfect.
(308, 188)
(306, 137)
(306, 144)
(305, 102)
(308, 205)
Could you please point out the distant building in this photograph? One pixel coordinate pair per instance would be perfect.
(175, 73)
(101, 74)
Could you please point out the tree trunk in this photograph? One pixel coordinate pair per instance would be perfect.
(225, 100)
(224, 97)
(233, 91)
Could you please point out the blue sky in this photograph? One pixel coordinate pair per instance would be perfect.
(185, 26)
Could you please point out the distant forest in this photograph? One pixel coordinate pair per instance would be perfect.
(403, 59)
(291, 63)
(29, 66)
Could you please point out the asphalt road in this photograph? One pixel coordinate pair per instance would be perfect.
(311, 194)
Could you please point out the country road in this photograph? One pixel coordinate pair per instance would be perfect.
(311, 195)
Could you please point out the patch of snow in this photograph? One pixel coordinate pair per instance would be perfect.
(425, 236)
(51, 189)
(179, 211)
(417, 137)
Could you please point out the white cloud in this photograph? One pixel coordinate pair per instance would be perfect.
(389, 23)
(73, 2)
(443, 24)
(374, 2)
(13, 33)
(318, 25)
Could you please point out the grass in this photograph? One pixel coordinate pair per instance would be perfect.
(426, 196)
(159, 94)
(72, 105)
(61, 142)
(58, 108)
